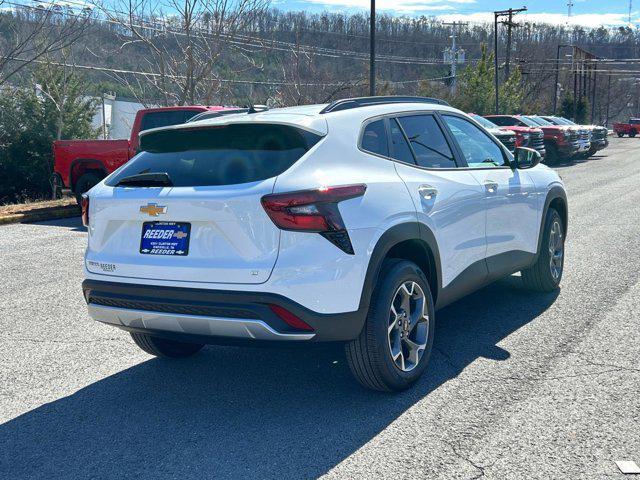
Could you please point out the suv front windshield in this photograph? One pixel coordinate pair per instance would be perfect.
(488, 124)
(527, 121)
(539, 121)
(564, 121)
(559, 121)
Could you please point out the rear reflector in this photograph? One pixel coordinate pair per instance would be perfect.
(289, 318)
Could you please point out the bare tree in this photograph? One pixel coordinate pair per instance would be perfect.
(63, 90)
(30, 33)
(305, 81)
(185, 42)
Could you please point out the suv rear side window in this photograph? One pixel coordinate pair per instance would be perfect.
(374, 138)
(221, 155)
(428, 142)
(401, 149)
(166, 118)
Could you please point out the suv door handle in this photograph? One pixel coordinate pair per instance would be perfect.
(491, 186)
(427, 192)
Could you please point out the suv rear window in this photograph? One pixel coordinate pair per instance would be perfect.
(220, 155)
(166, 118)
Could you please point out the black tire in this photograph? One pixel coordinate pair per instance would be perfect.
(620, 134)
(540, 277)
(552, 154)
(369, 356)
(632, 134)
(162, 347)
(84, 184)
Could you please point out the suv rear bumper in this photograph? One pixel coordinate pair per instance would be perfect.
(212, 316)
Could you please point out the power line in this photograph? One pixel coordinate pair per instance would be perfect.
(245, 40)
(221, 80)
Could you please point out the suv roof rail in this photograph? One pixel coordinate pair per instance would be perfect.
(216, 114)
(256, 108)
(349, 103)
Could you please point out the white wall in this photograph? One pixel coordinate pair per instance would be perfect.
(119, 116)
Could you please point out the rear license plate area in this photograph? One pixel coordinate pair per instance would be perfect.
(165, 238)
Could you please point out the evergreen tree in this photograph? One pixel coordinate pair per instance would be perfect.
(476, 88)
(30, 120)
(582, 109)
(66, 110)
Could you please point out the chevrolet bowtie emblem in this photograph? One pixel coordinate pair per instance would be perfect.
(153, 209)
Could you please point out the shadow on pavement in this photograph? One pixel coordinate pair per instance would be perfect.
(245, 413)
(73, 223)
(575, 161)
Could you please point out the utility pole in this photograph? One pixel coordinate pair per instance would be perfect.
(509, 23)
(495, 61)
(593, 92)
(372, 50)
(574, 67)
(569, 5)
(454, 52)
(496, 16)
(606, 122)
(583, 64)
(630, 7)
(555, 90)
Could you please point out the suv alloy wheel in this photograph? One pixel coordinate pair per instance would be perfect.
(394, 346)
(546, 273)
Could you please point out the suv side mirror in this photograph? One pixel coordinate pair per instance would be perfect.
(526, 158)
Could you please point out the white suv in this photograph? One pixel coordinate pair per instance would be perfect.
(352, 222)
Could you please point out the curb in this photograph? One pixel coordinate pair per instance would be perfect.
(53, 213)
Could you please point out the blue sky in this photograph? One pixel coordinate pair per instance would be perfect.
(587, 13)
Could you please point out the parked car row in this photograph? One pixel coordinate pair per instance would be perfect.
(555, 138)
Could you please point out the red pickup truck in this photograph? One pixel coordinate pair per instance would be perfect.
(561, 142)
(632, 128)
(80, 164)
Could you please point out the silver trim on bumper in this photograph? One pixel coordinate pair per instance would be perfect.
(192, 324)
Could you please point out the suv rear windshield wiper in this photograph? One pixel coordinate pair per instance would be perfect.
(158, 179)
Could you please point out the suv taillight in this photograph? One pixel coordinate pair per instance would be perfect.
(313, 211)
(84, 204)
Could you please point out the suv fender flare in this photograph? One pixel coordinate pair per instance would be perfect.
(555, 192)
(393, 236)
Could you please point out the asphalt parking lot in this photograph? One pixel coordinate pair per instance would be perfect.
(521, 385)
